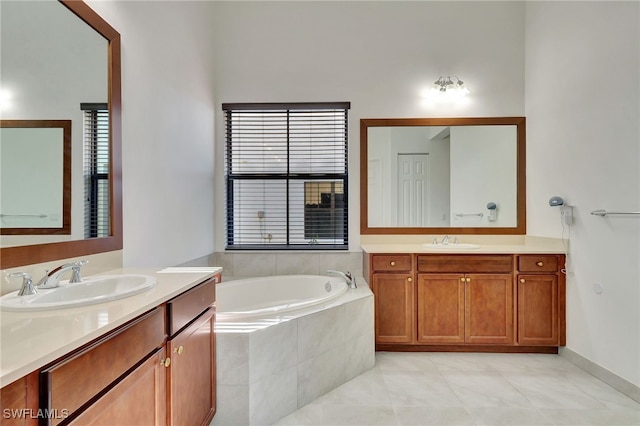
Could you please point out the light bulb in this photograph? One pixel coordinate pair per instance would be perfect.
(462, 88)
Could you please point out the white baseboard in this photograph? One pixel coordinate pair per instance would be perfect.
(612, 379)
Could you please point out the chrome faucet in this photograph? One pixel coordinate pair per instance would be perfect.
(350, 279)
(445, 240)
(27, 288)
(51, 279)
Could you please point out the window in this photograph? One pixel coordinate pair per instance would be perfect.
(287, 176)
(96, 170)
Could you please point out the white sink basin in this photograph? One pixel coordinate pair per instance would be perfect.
(451, 246)
(92, 290)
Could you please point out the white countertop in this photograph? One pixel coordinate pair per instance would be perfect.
(526, 248)
(30, 340)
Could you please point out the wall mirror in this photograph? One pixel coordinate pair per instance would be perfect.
(58, 59)
(442, 176)
(35, 160)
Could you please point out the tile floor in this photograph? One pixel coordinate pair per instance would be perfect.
(470, 389)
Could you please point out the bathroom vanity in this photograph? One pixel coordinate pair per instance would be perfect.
(495, 299)
(151, 367)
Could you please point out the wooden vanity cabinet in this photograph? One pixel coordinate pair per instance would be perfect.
(75, 382)
(465, 299)
(158, 369)
(394, 290)
(541, 300)
(488, 302)
(191, 385)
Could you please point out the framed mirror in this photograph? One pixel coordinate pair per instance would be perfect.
(35, 159)
(443, 176)
(62, 20)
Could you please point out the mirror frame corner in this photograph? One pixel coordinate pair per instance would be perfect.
(31, 254)
(519, 122)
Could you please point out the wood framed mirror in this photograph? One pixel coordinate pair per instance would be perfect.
(443, 176)
(18, 255)
(35, 157)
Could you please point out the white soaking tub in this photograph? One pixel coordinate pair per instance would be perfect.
(283, 341)
(275, 295)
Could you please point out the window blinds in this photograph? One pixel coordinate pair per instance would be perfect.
(287, 176)
(96, 170)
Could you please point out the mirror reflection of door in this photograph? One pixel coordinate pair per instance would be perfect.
(413, 190)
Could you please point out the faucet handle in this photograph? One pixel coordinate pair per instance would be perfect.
(27, 288)
(44, 278)
(75, 271)
(353, 279)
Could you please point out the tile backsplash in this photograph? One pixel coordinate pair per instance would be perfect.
(255, 264)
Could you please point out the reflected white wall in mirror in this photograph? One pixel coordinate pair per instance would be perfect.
(442, 176)
(51, 62)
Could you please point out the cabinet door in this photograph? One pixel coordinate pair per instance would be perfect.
(538, 310)
(489, 308)
(192, 381)
(441, 308)
(19, 402)
(394, 312)
(139, 399)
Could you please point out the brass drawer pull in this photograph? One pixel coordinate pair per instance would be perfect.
(522, 280)
(410, 279)
(540, 264)
(393, 263)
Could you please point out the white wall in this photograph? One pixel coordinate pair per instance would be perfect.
(168, 125)
(583, 144)
(379, 56)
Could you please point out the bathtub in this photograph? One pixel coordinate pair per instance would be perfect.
(276, 295)
(283, 341)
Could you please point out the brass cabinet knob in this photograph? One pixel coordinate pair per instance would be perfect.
(539, 263)
(462, 279)
(468, 280)
(410, 279)
(165, 362)
(393, 263)
(522, 280)
(179, 350)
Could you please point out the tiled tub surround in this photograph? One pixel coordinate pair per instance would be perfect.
(269, 367)
(263, 264)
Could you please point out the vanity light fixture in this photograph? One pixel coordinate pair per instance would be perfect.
(450, 85)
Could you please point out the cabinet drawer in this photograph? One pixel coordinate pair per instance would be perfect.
(77, 379)
(536, 263)
(461, 263)
(184, 308)
(391, 262)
